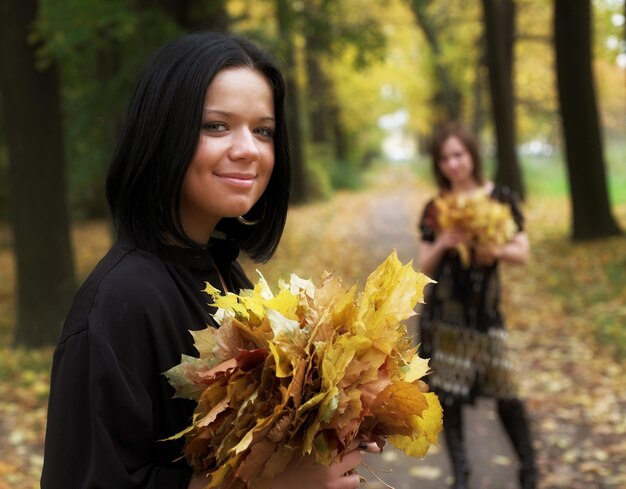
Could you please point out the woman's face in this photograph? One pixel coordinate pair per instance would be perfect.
(234, 158)
(455, 162)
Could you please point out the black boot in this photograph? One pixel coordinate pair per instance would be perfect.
(453, 432)
(515, 421)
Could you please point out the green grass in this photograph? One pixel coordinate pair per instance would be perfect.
(590, 280)
(611, 328)
(546, 176)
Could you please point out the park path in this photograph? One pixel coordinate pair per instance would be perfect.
(574, 390)
(388, 217)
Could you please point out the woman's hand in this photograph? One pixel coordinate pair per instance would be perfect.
(305, 474)
(516, 251)
(450, 239)
(486, 255)
(199, 481)
(431, 254)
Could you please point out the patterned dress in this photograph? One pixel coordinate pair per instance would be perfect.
(462, 329)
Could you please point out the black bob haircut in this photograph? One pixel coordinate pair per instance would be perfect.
(159, 139)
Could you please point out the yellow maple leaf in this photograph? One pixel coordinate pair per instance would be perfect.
(417, 368)
(391, 293)
(427, 427)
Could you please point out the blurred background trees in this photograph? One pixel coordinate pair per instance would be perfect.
(35, 145)
(592, 217)
(368, 81)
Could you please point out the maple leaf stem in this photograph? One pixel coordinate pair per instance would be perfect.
(372, 470)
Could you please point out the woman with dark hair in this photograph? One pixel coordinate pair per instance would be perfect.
(200, 173)
(462, 329)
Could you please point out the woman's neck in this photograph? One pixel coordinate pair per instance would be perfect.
(466, 187)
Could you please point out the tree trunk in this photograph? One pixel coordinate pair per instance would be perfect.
(499, 21)
(340, 138)
(591, 211)
(195, 14)
(447, 100)
(299, 190)
(478, 114)
(31, 108)
(317, 96)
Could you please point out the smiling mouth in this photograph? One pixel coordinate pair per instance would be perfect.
(238, 180)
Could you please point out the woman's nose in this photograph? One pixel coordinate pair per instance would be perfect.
(244, 146)
(453, 162)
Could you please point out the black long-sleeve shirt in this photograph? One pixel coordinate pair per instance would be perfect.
(109, 402)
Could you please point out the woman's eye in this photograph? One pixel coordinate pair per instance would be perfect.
(214, 126)
(265, 132)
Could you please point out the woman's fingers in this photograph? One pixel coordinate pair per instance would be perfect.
(369, 446)
(351, 481)
(354, 457)
(349, 462)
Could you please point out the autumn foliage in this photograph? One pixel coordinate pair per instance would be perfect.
(482, 219)
(307, 371)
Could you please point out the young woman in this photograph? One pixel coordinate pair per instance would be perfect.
(461, 326)
(200, 173)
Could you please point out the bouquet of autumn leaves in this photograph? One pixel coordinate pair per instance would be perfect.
(482, 219)
(307, 371)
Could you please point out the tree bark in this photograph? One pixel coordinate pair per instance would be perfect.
(591, 210)
(340, 137)
(38, 211)
(447, 100)
(317, 93)
(285, 17)
(478, 114)
(499, 21)
(194, 14)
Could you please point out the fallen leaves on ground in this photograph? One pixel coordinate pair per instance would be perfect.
(565, 311)
(560, 309)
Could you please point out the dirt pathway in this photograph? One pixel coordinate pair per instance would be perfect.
(391, 210)
(575, 394)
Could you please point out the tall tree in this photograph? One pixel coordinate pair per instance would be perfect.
(317, 90)
(38, 211)
(499, 21)
(285, 17)
(197, 14)
(478, 91)
(591, 211)
(448, 97)
(328, 33)
(316, 34)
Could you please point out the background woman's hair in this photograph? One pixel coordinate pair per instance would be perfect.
(467, 139)
(159, 139)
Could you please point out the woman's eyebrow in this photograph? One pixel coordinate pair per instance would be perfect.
(215, 111)
(224, 113)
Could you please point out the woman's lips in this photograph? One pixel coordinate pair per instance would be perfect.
(237, 179)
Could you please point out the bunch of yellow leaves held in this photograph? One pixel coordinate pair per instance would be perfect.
(482, 219)
(308, 371)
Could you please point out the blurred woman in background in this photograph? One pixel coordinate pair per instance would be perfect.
(462, 329)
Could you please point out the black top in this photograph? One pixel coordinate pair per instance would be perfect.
(109, 402)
